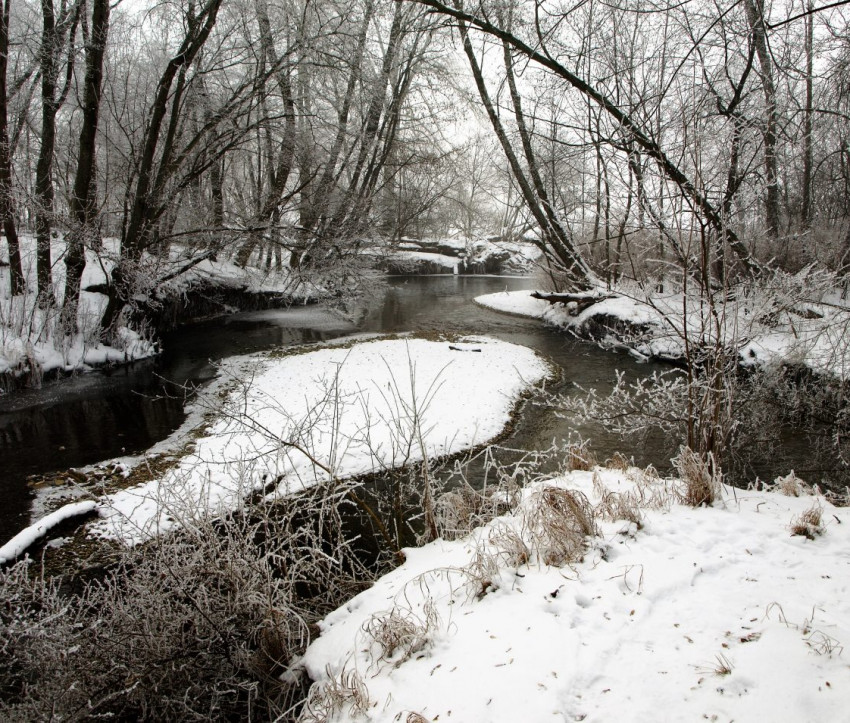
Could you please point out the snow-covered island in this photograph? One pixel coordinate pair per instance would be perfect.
(278, 424)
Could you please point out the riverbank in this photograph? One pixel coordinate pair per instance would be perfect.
(34, 347)
(602, 597)
(772, 326)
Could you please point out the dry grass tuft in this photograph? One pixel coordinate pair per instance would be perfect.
(701, 478)
(614, 506)
(810, 523)
(791, 485)
(464, 508)
(618, 461)
(338, 693)
(724, 665)
(579, 457)
(503, 548)
(400, 633)
(560, 521)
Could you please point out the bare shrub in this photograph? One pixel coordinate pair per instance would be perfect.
(559, 522)
(700, 477)
(809, 524)
(205, 623)
(494, 489)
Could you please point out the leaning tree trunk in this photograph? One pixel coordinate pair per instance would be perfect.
(552, 243)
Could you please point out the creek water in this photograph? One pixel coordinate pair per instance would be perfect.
(108, 413)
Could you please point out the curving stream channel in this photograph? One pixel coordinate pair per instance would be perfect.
(92, 417)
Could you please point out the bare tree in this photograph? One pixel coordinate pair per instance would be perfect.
(83, 201)
(7, 192)
(57, 34)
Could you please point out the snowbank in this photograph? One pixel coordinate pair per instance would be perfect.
(304, 419)
(32, 341)
(702, 614)
(461, 255)
(519, 303)
(766, 326)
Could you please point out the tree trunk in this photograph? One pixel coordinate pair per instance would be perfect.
(52, 43)
(155, 169)
(7, 197)
(808, 150)
(279, 172)
(555, 248)
(755, 17)
(83, 200)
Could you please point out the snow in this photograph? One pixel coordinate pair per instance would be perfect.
(701, 614)
(20, 542)
(765, 325)
(519, 303)
(447, 262)
(329, 414)
(31, 338)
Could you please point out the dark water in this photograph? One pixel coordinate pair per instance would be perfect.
(96, 416)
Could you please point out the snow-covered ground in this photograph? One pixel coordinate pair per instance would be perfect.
(715, 614)
(328, 414)
(30, 337)
(767, 327)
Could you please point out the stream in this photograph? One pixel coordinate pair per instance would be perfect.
(108, 413)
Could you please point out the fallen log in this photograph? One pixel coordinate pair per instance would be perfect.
(575, 302)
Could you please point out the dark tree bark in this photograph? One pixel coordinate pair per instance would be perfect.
(7, 197)
(755, 17)
(52, 44)
(554, 242)
(83, 200)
